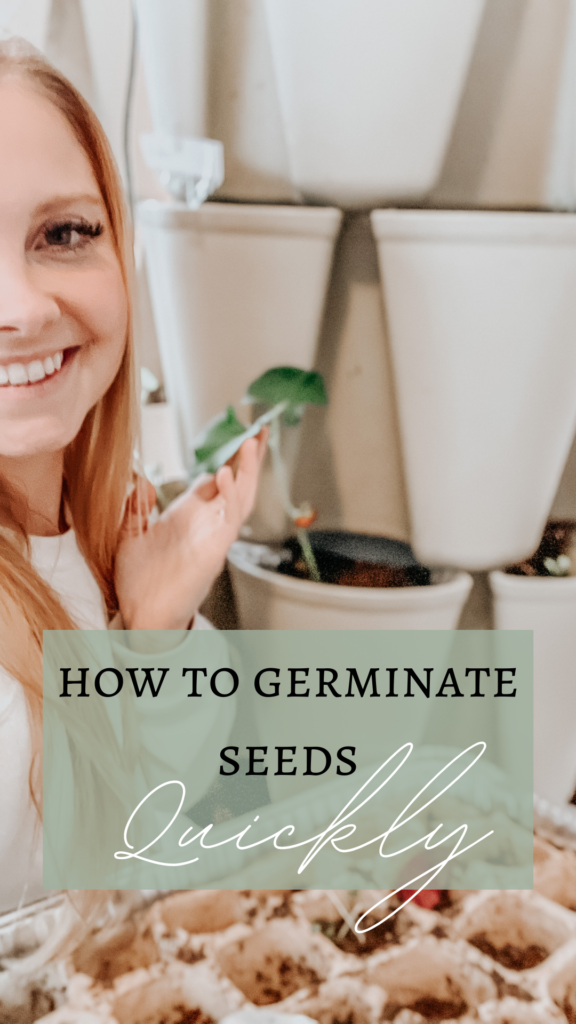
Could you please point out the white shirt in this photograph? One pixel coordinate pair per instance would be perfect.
(59, 561)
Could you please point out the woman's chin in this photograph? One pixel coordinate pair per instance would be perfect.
(25, 441)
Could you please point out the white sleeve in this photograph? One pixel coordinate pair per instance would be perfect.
(20, 830)
(182, 736)
(200, 622)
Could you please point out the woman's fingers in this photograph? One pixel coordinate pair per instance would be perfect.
(228, 488)
(206, 487)
(231, 491)
(262, 439)
(139, 505)
(251, 455)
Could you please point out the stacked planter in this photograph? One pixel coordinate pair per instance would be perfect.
(353, 105)
(216, 287)
(239, 288)
(235, 289)
(548, 607)
(481, 311)
(369, 93)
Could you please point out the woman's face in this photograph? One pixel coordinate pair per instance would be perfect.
(63, 304)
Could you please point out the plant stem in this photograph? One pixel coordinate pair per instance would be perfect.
(281, 474)
(309, 558)
(280, 471)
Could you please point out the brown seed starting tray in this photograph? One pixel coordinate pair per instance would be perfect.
(498, 957)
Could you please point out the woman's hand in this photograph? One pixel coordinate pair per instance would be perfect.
(165, 569)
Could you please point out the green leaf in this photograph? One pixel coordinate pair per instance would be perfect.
(289, 384)
(222, 429)
(228, 429)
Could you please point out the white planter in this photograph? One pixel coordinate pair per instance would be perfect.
(172, 41)
(235, 289)
(269, 600)
(244, 109)
(548, 607)
(161, 455)
(369, 92)
(108, 26)
(560, 191)
(30, 20)
(481, 310)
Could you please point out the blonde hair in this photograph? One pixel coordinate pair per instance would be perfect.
(98, 463)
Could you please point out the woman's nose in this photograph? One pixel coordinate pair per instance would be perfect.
(26, 307)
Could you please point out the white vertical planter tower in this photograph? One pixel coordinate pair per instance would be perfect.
(481, 309)
(235, 290)
(369, 91)
(547, 606)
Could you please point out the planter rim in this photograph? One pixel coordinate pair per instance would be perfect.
(244, 218)
(368, 598)
(532, 588)
(481, 226)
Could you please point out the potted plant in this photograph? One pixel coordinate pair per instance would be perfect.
(480, 307)
(319, 579)
(540, 594)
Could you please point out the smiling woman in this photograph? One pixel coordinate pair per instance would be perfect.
(74, 553)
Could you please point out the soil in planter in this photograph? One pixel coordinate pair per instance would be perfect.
(355, 560)
(505, 988)
(430, 1008)
(275, 982)
(389, 933)
(184, 1016)
(39, 1004)
(556, 541)
(516, 958)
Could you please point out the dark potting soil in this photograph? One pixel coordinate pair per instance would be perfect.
(506, 988)
(40, 1003)
(180, 1015)
(430, 1008)
(284, 978)
(355, 560)
(556, 541)
(387, 934)
(516, 958)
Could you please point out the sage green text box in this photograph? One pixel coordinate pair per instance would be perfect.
(283, 759)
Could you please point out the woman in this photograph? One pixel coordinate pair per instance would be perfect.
(71, 553)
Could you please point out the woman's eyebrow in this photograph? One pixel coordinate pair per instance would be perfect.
(59, 202)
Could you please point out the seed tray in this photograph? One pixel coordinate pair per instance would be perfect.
(195, 957)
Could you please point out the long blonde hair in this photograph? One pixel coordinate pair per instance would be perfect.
(98, 463)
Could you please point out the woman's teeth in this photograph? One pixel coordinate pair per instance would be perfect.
(30, 373)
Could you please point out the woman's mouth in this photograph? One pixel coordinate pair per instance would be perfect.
(33, 372)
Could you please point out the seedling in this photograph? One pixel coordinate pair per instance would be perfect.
(285, 391)
(554, 555)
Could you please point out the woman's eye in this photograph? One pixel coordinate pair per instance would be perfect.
(69, 236)
(66, 236)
